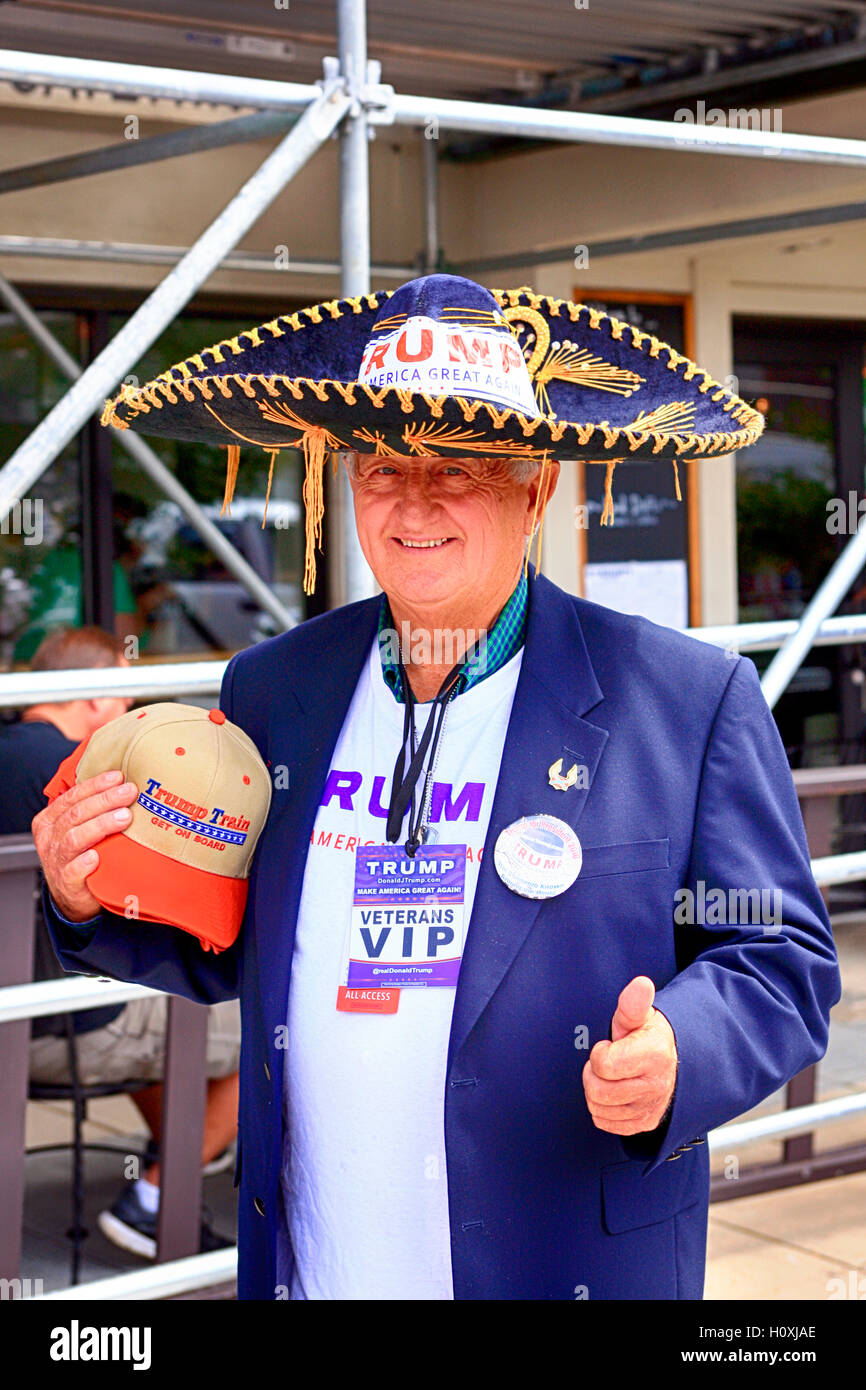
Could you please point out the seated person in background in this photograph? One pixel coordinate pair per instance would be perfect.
(124, 1042)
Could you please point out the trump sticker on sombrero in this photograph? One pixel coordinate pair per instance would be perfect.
(538, 856)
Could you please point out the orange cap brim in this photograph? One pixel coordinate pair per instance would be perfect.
(210, 906)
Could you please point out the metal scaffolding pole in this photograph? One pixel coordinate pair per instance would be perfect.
(430, 157)
(172, 84)
(154, 467)
(825, 601)
(32, 458)
(585, 127)
(532, 123)
(641, 243)
(128, 153)
(144, 253)
(351, 567)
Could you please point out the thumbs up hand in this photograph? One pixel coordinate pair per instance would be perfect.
(630, 1080)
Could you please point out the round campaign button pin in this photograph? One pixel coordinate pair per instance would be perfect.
(538, 856)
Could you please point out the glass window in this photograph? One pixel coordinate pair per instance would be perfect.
(180, 598)
(784, 483)
(40, 540)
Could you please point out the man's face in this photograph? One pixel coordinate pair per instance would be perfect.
(443, 530)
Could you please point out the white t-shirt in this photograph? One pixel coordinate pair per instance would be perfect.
(363, 1179)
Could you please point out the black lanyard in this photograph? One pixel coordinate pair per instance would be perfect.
(403, 788)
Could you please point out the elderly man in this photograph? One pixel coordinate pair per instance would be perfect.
(482, 1047)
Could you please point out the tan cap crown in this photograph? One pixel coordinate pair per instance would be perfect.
(204, 792)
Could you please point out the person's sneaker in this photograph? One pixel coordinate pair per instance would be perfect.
(220, 1164)
(128, 1225)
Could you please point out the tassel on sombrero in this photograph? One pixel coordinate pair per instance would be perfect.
(442, 366)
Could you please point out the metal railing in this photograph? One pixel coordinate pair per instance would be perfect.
(182, 1120)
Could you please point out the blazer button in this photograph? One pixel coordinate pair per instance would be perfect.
(267, 1071)
(259, 1205)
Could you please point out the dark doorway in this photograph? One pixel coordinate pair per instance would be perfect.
(798, 492)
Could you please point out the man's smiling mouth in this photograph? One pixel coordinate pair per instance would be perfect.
(422, 545)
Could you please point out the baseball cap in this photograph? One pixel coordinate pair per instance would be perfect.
(203, 799)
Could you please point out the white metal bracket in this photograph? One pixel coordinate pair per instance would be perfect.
(372, 96)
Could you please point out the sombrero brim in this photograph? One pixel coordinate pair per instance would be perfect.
(591, 377)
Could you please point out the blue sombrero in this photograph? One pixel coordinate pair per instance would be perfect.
(442, 366)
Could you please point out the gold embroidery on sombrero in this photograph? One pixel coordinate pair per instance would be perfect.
(407, 403)
(377, 397)
(470, 408)
(268, 384)
(314, 313)
(385, 325)
(315, 441)
(377, 439)
(529, 424)
(542, 485)
(108, 417)
(565, 362)
(273, 326)
(674, 359)
(273, 453)
(674, 415)
(498, 416)
(535, 338)
(607, 509)
(476, 318)
(203, 388)
(246, 385)
(428, 439)
(346, 390)
(234, 456)
(248, 439)
(434, 404)
(222, 386)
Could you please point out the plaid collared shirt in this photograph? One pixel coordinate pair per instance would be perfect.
(503, 642)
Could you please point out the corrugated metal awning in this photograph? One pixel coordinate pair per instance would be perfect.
(548, 51)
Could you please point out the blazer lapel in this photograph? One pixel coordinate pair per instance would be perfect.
(556, 687)
(312, 709)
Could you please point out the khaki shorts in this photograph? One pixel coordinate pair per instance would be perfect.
(132, 1046)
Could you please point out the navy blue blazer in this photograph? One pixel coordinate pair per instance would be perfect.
(688, 785)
